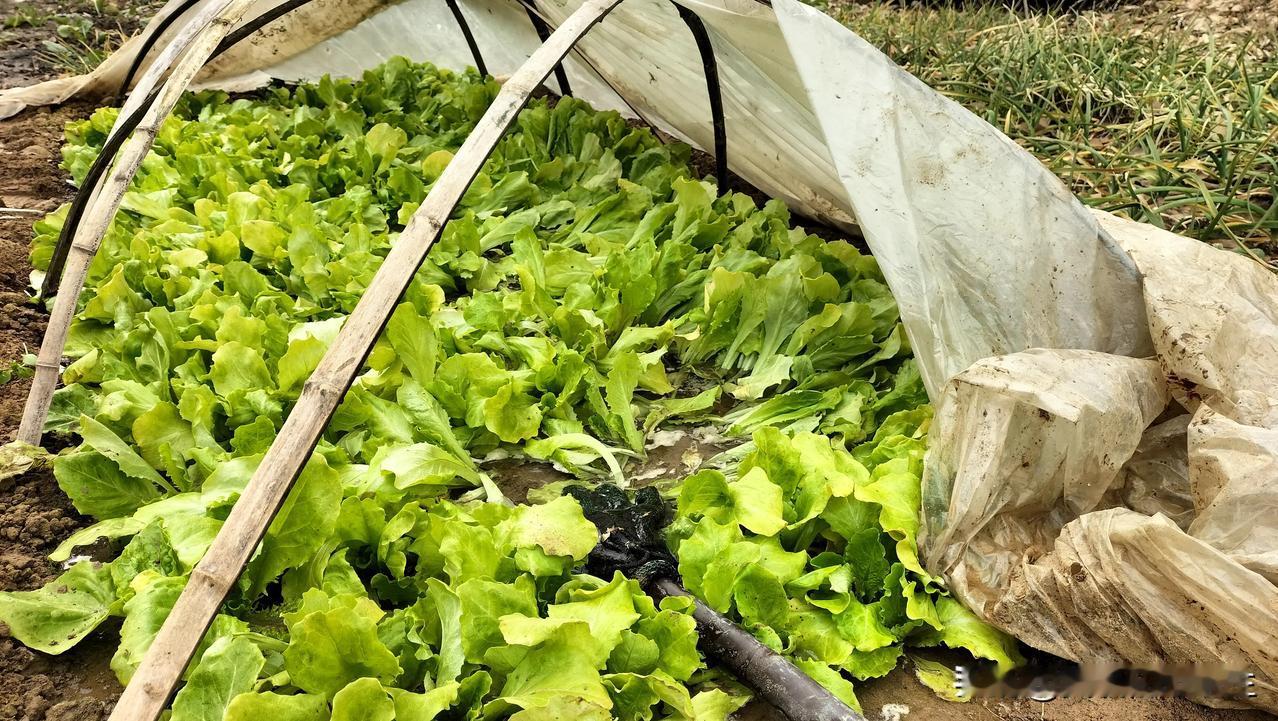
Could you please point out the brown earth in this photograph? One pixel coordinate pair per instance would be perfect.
(34, 514)
(1251, 17)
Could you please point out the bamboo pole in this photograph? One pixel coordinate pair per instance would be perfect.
(156, 32)
(173, 50)
(193, 45)
(146, 696)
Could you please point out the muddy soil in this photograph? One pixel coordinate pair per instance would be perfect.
(34, 514)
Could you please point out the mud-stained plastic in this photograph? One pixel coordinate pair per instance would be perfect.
(1102, 479)
(1071, 499)
(1214, 320)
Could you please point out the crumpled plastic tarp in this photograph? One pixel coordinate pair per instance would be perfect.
(1103, 474)
(1111, 508)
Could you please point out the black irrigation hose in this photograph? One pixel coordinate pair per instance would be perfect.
(102, 163)
(632, 541)
(151, 40)
(711, 68)
(798, 696)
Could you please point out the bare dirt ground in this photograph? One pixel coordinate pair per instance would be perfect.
(35, 515)
(1220, 16)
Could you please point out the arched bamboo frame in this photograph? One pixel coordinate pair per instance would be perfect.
(126, 124)
(194, 44)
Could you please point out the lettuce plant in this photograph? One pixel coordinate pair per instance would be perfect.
(586, 293)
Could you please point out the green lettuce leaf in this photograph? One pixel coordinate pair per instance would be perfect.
(54, 618)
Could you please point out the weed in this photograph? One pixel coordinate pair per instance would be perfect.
(79, 34)
(24, 368)
(80, 45)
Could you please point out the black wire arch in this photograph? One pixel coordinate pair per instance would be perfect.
(469, 36)
(710, 66)
(150, 40)
(543, 32)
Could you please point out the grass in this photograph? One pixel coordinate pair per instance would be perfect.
(1161, 126)
(25, 16)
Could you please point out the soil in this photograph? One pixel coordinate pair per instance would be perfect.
(1255, 18)
(900, 697)
(34, 514)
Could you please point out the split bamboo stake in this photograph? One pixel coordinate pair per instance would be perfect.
(194, 44)
(171, 52)
(146, 696)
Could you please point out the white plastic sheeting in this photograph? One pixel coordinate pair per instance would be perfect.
(1214, 319)
(1049, 506)
(1056, 510)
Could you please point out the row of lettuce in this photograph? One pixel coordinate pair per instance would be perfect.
(585, 294)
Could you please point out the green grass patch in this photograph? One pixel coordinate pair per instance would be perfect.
(1139, 118)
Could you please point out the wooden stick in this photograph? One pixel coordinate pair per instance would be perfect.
(194, 44)
(174, 49)
(157, 677)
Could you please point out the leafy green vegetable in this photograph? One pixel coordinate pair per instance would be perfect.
(585, 294)
(228, 668)
(815, 552)
(54, 618)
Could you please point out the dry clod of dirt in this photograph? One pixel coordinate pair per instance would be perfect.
(31, 692)
(1253, 17)
(34, 517)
